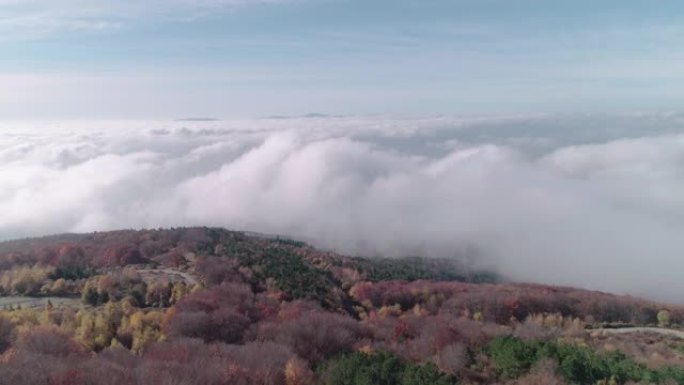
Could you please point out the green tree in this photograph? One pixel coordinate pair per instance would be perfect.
(382, 369)
(512, 357)
(90, 295)
(425, 375)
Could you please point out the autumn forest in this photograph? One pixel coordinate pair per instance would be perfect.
(209, 306)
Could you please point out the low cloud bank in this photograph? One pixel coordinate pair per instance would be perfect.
(592, 201)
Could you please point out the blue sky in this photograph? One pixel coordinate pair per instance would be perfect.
(241, 58)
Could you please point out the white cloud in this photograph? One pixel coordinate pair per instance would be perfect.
(549, 198)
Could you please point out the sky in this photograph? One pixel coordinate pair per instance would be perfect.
(165, 59)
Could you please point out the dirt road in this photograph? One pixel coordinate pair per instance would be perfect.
(171, 274)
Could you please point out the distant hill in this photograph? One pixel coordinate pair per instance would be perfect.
(312, 115)
(197, 119)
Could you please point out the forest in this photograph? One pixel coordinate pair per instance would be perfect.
(209, 306)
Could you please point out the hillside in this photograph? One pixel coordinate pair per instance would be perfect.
(212, 306)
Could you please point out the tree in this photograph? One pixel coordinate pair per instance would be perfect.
(49, 340)
(7, 333)
(663, 318)
(297, 372)
(315, 336)
(89, 295)
(512, 357)
(382, 368)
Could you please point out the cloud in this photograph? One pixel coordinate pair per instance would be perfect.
(585, 200)
(31, 19)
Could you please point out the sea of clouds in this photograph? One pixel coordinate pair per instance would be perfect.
(584, 200)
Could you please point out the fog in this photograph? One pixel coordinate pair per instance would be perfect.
(594, 201)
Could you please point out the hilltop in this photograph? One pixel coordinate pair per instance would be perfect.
(213, 306)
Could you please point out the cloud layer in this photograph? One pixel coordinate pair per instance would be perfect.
(595, 201)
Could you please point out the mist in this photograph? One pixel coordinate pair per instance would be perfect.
(595, 201)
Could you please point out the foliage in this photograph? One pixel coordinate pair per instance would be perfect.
(290, 242)
(7, 333)
(382, 369)
(315, 335)
(71, 273)
(663, 318)
(416, 268)
(291, 273)
(513, 357)
(211, 306)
